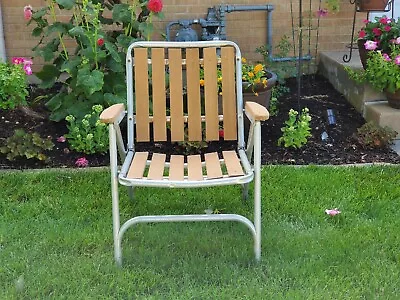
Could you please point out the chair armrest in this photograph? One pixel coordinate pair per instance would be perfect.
(111, 114)
(256, 112)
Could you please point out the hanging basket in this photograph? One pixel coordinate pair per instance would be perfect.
(372, 5)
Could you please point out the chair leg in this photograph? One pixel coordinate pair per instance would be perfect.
(131, 193)
(257, 190)
(115, 194)
(245, 192)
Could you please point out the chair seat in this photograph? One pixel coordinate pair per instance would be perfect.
(185, 171)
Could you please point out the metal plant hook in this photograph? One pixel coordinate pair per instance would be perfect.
(347, 57)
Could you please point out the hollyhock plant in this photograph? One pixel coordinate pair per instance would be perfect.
(383, 31)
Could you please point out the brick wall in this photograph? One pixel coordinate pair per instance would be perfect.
(248, 29)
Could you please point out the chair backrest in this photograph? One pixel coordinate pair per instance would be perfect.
(173, 83)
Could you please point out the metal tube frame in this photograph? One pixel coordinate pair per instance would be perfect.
(254, 227)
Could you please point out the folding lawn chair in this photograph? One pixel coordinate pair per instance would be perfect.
(147, 65)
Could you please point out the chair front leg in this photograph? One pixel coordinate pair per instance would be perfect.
(257, 189)
(115, 193)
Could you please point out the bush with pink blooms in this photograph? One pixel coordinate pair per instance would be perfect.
(382, 71)
(13, 82)
(380, 34)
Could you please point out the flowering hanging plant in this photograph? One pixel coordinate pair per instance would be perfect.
(380, 34)
(382, 71)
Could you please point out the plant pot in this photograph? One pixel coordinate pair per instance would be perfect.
(393, 99)
(372, 5)
(263, 94)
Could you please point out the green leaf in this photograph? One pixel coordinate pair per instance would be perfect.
(67, 4)
(121, 13)
(48, 75)
(56, 27)
(37, 31)
(77, 31)
(70, 66)
(124, 41)
(90, 81)
(113, 51)
(113, 99)
(55, 102)
(40, 13)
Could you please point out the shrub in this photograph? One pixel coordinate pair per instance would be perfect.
(371, 135)
(89, 135)
(95, 72)
(30, 145)
(13, 86)
(297, 129)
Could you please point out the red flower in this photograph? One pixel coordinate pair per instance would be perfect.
(155, 6)
(362, 34)
(384, 20)
(221, 133)
(377, 31)
(387, 28)
(365, 21)
(100, 42)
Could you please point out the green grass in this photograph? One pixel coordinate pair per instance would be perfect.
(56, 238)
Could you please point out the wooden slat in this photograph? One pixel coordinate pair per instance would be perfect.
(156, 169)
(213, 166)
(211, 94)
(138, 165)
(142, 95)
(159, 103)
(232, 163)
(228, 93)
(176, 100)
(193, 94)
(176, 168)
(195, 171)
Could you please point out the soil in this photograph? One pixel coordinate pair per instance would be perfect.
(317, 94)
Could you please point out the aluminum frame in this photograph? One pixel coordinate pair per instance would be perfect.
(119, 177)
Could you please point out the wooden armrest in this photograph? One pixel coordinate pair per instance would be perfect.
(111, 114)
(256, 112)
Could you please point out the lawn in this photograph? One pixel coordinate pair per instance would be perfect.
(56, 238)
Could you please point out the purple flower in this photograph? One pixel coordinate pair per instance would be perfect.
(370, 45)
(61, 139)
(386, 57)
(82, 162)
(323, 12)
(28, 69)
(397, 60)
(332, 212)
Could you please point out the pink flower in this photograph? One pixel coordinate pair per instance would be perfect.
(332, 212)
(18, 60)
(82, 162)
(28, 69)
(323, 12)
(155, 6)
(28, 12)
(370, 45)
(386, 57)
(61, 139)
(100, 42)
(362, 34)
(365, 21)
(397, 41)
(387, 28)
(397, 60)
(377, 31)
